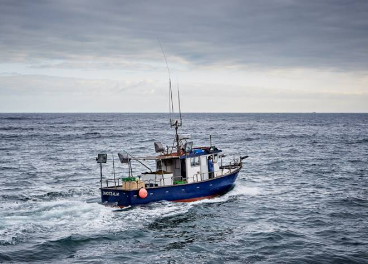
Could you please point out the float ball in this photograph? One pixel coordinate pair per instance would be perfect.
(142, 193)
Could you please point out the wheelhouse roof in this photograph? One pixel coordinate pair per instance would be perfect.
(183, 155)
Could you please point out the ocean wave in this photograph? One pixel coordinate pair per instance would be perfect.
(17, 129)
(15, 118)
(53, 249)
(353, 201)
(362, 141)
(57, 195)
(147, 140)
(294, 136)
(90, 135)
(251, 138)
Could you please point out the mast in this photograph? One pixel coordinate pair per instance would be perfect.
(177, 137)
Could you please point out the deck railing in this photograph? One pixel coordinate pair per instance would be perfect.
(198, 177)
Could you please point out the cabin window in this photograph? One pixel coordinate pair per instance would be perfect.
(215, 160)
(158, 165)
(167, 165)
(194, 161)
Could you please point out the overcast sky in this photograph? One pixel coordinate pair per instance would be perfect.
(226, 56)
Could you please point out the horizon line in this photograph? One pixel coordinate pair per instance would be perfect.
(183, 113)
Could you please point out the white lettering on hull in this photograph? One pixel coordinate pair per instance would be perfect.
(110, 193)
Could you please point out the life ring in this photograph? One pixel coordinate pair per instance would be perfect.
(142, 193)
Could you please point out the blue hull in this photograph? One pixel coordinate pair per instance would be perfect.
(181, 193)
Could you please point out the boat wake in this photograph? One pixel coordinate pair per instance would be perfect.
(51, 220)
(55, 220)
(35, 221)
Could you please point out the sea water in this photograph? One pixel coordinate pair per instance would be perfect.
(302, 196)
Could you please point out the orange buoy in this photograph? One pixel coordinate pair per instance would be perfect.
(142, 193)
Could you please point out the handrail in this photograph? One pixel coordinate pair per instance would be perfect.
(215, 174)
(114, 181)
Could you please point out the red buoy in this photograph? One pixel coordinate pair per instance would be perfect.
(142, 193)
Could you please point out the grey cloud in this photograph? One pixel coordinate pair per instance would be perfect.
(283, 33)
(41, 85)
(255, 93)
(106, 65)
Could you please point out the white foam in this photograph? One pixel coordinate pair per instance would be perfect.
(240, 189)
(53, 218)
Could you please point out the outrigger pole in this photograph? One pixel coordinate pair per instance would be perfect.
(137, 160)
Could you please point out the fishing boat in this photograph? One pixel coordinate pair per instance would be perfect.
(182, 173)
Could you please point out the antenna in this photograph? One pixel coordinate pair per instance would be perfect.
(181, 121)
(171, 104)
(176, 123)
